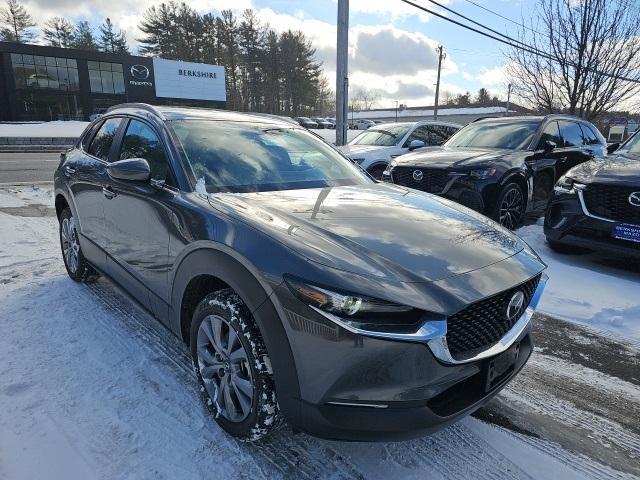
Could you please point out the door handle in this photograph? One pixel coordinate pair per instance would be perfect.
(108, 192)
(68, 171)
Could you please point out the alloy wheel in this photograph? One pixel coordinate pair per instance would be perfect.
(224, 367)
(511, 209)
(70, 244)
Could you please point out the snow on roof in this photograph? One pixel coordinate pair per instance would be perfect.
(428, 112)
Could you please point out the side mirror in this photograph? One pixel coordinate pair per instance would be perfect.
(612, 147)
(131, 169)
(415, 144)
(549, 146)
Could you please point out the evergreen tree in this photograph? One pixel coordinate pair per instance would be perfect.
(110, 40)
(483, 97)
(58, 32)
(83, 37)
(15, 23)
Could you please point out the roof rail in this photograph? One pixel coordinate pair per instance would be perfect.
(484, 118)
(140, 106)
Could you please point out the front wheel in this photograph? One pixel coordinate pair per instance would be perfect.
(376, 172)
(233, 367)
(77, 266)
(509, 210)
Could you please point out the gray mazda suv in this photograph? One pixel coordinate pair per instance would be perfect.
(305, 290)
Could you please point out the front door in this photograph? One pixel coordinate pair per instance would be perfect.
(137, 218)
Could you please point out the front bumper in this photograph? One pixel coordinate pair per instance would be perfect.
(568, 222)
(358, 386)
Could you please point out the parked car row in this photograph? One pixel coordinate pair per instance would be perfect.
(316, 122)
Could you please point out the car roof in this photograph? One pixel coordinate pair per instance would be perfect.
(419, 122)
(168, 113)
(540, 118)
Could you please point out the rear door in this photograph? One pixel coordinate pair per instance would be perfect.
(138, 216)
(86, 173)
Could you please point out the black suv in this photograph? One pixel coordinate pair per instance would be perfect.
(596, 205)
(502, 167)
(304, 289)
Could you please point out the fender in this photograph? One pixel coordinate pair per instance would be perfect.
(208, 258)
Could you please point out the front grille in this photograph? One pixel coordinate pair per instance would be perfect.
(433, 180)
(482, 324)
(612, 202)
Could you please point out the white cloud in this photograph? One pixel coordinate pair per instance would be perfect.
(390, 9)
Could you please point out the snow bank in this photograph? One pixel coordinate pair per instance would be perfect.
(62, 129)
(23, 196)
(587, 288)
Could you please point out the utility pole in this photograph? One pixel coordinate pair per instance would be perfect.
(506, 114)
(441, 56)
(342, 80)
(396, 111)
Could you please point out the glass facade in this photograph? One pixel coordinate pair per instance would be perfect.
(39, 72)
(106, 77)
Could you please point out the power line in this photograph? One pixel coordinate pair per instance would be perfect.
(477, 23)
(505, 18)
(517, 45)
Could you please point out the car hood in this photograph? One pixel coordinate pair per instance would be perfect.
(355, 150)
(615, 169)
(377, 230)
(443, 157)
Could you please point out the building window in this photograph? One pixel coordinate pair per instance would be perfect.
(36, 72)
(105, 77)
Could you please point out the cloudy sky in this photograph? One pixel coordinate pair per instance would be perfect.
(392, 45)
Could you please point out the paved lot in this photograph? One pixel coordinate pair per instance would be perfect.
(18, 168)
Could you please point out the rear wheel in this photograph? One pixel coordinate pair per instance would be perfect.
(233, 367)
(77, 266)
(510, 207)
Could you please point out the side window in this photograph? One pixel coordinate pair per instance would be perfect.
(420, 133)
(571, 134)
(590, 138)
(101, 143)
(141, 141)
(551, 133)
(438, 135)
(88, 136)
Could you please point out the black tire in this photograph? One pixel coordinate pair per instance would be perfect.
(510, 207)
(264, 414)
(376, 172)
(566, 249)
(79, 270)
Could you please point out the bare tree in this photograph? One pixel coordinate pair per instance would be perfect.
(365, 99)
(15, 23)
(592, 61)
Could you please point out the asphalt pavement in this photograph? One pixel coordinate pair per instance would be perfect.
(27, 168)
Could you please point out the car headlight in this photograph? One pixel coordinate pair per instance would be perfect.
(359, 311)
(482, 173)
(567, 185)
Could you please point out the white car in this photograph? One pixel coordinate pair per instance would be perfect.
(361, 124)
(375, 147)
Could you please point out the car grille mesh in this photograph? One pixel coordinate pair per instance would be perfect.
(612, 202)
(482, 324)
(433, 181)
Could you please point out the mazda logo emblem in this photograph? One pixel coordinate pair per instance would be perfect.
(515, 305)
(634, 199)
(418, 175)
(140, 72)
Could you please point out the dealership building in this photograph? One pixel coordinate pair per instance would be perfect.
(50, 83)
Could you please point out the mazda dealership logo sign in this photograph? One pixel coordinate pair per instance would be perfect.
(139, 72)
(634, 199)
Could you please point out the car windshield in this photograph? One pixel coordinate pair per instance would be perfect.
(382, 136)
(247, 157)
(499, 134)
(632, 147)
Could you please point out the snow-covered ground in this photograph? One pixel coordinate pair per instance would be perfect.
(92, 387)
(330, 135)
(588, 289)
(62, 129)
